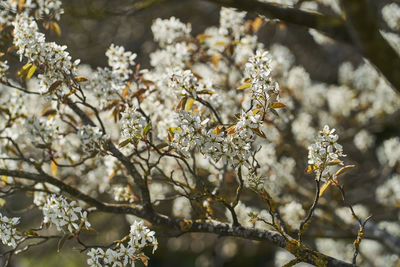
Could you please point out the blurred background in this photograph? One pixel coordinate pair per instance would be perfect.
(90, 26)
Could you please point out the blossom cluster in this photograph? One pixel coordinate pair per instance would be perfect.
(166, 31)
(3, 69)
(8, 232)
(264, 89)
(123, 255)
(39, 130)
(44, 8)
(92, 138)
(120, 61)
(234, 146)
(232, 23)
(326, 148)
(122, 193)
(132, 124)
(51, 58)
(325, 151)
(109, 82)
(67, 216)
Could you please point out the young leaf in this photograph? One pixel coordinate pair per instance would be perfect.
(189, 104)
(124, 143)
(343, 170)
(324, 187)
(244, 86)
(30, 72)
(54, 167)
(277, 105)
(56, 28)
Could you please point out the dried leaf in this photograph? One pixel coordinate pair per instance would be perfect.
(258, 132)
(205, 92)
(244, 86)
(144, 259)
(231, 129)
(256, 24)
(215, 60)
(334, 162)
(54, 86)
(181, 103)
(49, 113)
(343, 170)
(81, 79)
(125, 92)
(21, 4)
(277, 105)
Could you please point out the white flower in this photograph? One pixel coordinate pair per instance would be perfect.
(92, 138)
(123, 255)
(292, 214)
(50, 7)
(66, 216)
(120, 61)
(132, 124)
(3, 69)
(325, 150)
(165, 31)
(391, 15)
(8, 233)
(231, 22)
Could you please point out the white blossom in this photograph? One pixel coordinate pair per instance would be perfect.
(124, 254)
(231, 22)
(8, 233)
(325, 150)
(391, 15)
(165, 31)
(120, 61)
(292, 214)
(92, 138)
(66, 216)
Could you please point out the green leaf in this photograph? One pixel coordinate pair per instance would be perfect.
(124, 143)
(146, 129)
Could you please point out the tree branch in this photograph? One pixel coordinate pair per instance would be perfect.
(332, 26)
(362, 26)
(302, 252)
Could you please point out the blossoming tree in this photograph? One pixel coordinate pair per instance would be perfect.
(212, 138)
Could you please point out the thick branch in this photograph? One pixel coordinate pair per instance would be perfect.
(331, 26)
(299, 250)
(362, 25)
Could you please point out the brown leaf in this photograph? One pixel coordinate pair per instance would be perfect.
(54, 86)
(256, 24)
(277, 105)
